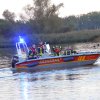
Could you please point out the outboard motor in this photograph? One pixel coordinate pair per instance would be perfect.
(14, 61)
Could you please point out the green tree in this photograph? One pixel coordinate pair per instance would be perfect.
(10, 16)
(44, 15)
(5, 28)
(71, 23)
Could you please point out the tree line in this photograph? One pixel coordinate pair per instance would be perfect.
(42, 17)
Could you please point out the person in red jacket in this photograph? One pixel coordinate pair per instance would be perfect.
(33, 51)
(33, 48)
(57, 50)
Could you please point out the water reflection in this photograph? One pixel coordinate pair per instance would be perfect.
(58, 85)
(51, 85)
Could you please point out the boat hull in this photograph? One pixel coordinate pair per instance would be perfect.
(67, 61)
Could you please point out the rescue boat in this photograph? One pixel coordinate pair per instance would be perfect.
(50, 61)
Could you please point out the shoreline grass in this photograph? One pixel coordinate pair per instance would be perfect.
(72, 37)
(58, 38)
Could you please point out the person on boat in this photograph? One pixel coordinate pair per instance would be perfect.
(15, 59)
(53, 49)
(56, 50)
(33, 49)
(32, 52)
(41, 48)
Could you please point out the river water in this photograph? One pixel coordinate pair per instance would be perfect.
(80, 83)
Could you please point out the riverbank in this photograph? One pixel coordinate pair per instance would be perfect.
(72, 37)
(85, 36)
(7, 45)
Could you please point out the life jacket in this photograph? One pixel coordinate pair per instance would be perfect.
(31, 55)
(57, 50)
(33, 50)
(41, 49)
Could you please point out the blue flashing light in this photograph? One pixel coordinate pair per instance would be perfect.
(21, 40)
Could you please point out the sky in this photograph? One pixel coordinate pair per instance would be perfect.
(71, 7)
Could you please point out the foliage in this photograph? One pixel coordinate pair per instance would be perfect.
(5, 28)
(71, 37)
(10, 16)
(42, 19)
(43, 15)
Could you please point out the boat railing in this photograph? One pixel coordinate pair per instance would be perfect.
(22, 49)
